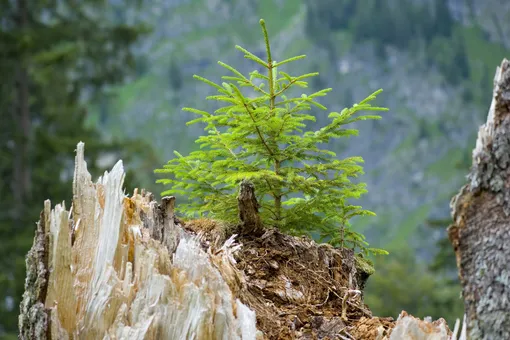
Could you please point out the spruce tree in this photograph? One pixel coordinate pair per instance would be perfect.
(301, 187)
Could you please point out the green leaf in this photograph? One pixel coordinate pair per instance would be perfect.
(252, 56)
(208, 82)
(299, 57)
(233, 70)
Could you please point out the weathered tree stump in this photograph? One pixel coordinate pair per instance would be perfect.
(480, 233)
(118, 267)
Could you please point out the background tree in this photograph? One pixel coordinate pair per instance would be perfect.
(54, 57)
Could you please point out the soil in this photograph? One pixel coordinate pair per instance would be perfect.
(298, 288)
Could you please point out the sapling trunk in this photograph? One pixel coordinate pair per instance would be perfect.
(270, 74)
(277, 195)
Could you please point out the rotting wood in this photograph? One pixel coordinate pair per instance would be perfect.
(165, 228)
(249, 210)
(480, 233)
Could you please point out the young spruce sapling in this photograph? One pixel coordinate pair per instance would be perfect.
(301, 187)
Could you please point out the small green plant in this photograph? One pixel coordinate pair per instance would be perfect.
(301, 188)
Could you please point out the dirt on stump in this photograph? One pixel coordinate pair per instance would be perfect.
(299, 289)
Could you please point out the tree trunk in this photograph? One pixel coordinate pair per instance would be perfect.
(21, 166)
(480, 233)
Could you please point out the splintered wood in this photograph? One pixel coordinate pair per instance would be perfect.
(118, 267)
(95, 272)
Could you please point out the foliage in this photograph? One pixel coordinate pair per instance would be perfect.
(390, 22)
(301, 187)
(403, 282)
(403, 25)
(444, 260)
(54, 56)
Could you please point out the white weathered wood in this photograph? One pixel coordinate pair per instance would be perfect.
(117, 282)
(409, 327)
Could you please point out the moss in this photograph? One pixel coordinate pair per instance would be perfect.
(364, 265)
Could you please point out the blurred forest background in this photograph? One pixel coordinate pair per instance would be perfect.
(115, 74)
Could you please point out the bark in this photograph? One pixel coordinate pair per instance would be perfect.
(33, 320)
(119, 267)
(480, 233)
